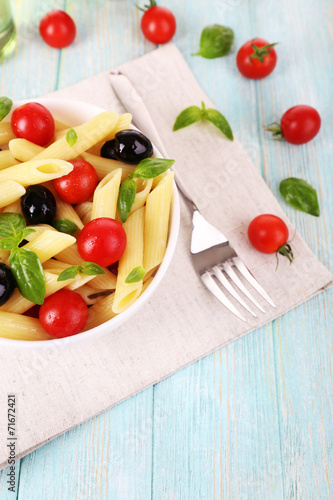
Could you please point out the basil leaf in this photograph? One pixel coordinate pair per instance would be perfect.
(126, 198)
(219, 121)
(28, 273)
(8, 243)
(152, 167)
(65, 226)
(5, 107)
(300, 195)
(91, 269)
(215, 41)
(71, 137)
(189, 115)
(68, 274)
(12, 226)
(135, 275)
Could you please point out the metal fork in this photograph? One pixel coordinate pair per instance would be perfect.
(211, 252)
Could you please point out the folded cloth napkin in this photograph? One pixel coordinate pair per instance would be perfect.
(58, 388)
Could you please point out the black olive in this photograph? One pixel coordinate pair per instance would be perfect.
(38, 205)
(7, 283)
(107, 150)
(131, 146)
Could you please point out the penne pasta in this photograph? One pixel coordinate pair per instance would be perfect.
(10, 192)
(19, 327)
(127, 293)
(24, 150)
(84, 211)
(106, 196)
(35, 171)
(49, 243)
(6, 133)
(123, 123)
(7, 159)
(104, 166)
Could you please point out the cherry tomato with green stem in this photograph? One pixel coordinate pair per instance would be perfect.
(33, 122)
(298, 125)
(269, 234)
(57, 29)
(256, 58)
(158, 24)
(64, 313)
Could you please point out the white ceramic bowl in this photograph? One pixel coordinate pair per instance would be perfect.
(74, 113)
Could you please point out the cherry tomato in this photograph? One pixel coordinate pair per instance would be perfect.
(269, 234)
(64, 313)
(158, 24)
(57, 29)
(256, 58)
(102, 240)
(34, 122)
(79, 185)
(300, 124)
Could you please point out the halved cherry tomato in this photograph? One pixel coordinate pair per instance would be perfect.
(79, 185)
(256, 58)
(158, 24)
(34, 122)
(102, 240)
(269, 234)
(298, 125)
(57, 29)
(64, 313)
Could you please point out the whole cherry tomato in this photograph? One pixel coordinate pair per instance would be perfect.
(64, 313)
(256, 58)
(34, 122)
(57, 29)
(298, 125)
(102, 240)
(79, 185)
(269, 234)
(158, 24)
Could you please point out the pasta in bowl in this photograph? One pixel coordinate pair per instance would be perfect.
(140, 199)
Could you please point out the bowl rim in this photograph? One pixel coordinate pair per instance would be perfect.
(174, 224)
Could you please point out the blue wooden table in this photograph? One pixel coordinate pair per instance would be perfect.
(253, 420)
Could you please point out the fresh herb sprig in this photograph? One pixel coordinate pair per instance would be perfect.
(88, 268)
(194, 114)
(135, 275)
(24, 263)
(146, 169)
(300, 195)
(215, 41)
(65, 226)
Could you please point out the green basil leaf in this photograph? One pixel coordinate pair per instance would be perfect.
(300, 195)
(8, 243)
(219, 121)
(65, 226)
(91, 269)
(71, 137)
(189, 115)
(152, 167)
(215, 41)
(68, 274)
(12, 226)
(26, 232)
(29, 274)
(5, 107)
(135, 275)
(126, 198)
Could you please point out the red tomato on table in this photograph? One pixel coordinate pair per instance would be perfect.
(158, 24)
(269, 234)
(57, 29)
(33, 122)
(256, 58)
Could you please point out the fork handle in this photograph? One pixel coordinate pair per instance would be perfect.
(133, 102)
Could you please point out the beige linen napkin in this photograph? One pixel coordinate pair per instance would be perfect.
(59, 388)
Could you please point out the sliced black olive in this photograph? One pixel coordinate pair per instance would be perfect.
(131, 146)
(38, 205)
(107, 150)
(7, 283)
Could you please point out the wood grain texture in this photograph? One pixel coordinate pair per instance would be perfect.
(253, 420)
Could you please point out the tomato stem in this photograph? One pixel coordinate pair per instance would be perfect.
(276, 130)
(146, 7)
(286, 251)
(261, 52)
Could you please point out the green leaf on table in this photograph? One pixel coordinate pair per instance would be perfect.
(135, 275)
(5, 107)
(215, 41)
(187, 117)
(71, 137)
(300, 195)
(217, 119)
(126, 198)
(152, 167)
(29, 275)
(65, 226)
